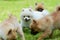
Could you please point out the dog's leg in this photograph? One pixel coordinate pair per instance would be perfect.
(20, 31)
(0, 39)
(50, 36)
(45, 34)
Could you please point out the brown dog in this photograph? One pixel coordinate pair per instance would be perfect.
(46, 24)
(39, 7)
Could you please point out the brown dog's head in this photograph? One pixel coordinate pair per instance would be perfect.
(39, 7)
(40, 25)
(34, 27)
(11, 35)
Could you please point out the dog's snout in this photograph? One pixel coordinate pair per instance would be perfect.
(40, 9)
(27, 19)
(14, 39)
(33, 32)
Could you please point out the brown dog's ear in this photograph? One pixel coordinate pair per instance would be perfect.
(10, 31)
(47, 20)
(42, 3)
(10, 15)
(39, 3)
(34, 21)
(58, 8)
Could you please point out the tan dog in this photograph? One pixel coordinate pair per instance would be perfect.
(7, 31)
(46, 24)
(7, 26)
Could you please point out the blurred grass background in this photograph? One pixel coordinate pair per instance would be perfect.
(15, 7)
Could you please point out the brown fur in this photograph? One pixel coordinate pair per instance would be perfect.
(39, 6)
(14, 22)
(6, 28)
(47, 24)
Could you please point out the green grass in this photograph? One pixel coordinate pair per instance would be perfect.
(15, 8)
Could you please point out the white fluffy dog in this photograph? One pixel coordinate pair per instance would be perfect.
(26, 17)
(28, 14)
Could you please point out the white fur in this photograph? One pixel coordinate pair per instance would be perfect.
(45, 12)
(26, 12)
(33, 14)
(37, 15)
(2, 35)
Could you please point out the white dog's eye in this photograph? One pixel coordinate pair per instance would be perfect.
(28, 16)
(23, 16)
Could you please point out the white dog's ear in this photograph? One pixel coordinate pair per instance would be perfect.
(30, 9)
(23, 9)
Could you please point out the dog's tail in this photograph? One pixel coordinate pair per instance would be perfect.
(58, 8)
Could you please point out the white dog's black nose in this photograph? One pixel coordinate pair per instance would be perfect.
(26, 19)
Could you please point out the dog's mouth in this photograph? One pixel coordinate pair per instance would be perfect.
(34, 32)
(40, 9)
(14, 39)
(11, 39)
